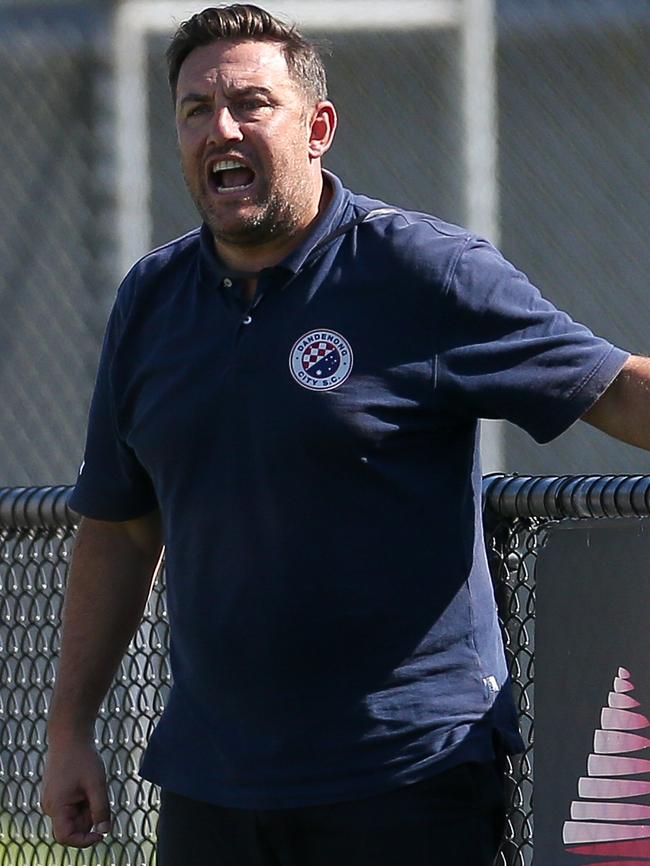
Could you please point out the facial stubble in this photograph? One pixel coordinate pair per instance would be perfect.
(280, 209)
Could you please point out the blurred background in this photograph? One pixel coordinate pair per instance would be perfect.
(561, 95)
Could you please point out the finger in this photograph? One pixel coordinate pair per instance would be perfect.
(74, 829)
(100, 809)
(82, 840)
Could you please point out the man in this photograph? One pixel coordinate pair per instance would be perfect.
(288, 399)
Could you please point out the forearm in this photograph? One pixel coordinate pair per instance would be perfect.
(624, 409)
(109, 581)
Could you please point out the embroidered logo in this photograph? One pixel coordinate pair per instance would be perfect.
(321, 360)
(604, 823)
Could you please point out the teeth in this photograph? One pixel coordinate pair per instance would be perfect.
(226, 164)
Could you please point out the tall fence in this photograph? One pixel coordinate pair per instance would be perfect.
(36, 529)
(573, 112)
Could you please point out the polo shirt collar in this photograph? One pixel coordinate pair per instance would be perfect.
(212, 269)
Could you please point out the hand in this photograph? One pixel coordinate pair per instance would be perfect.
(75, 795)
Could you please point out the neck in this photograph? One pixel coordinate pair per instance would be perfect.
(256, 257)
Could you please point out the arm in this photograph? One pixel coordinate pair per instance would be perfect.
(623, 411)
(110, 577)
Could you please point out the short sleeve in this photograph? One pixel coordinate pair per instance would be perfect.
(510, 354)
(112, 483)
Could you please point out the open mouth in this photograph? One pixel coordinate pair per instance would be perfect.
(229, 175)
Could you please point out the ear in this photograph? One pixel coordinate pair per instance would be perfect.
(322, 129)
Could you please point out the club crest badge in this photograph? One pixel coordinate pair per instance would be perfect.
(321, 360)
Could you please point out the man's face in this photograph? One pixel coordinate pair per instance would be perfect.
(244, 131)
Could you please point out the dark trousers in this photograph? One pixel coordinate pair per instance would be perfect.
(454, 818)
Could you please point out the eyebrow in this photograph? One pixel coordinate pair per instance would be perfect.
(232, 91)
(194, 97)
(248, 90)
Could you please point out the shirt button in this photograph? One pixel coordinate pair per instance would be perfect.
(227, 282)
(247, 320)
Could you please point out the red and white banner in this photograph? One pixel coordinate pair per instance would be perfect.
(592, 696)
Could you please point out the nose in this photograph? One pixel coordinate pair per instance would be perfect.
(224, 127)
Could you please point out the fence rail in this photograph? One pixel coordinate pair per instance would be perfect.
(36, 530)
(36, 507)
(542, 496)
(568, 496)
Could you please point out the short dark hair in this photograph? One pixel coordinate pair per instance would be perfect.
(243, 21)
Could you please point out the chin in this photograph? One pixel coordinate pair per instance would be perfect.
(256, 228)
(240, 234)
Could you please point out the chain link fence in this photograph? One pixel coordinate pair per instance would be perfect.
(36, 531)
(574, 111)
(54, 294)
(573, 114)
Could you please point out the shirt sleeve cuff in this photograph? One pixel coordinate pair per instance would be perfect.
(584, 395)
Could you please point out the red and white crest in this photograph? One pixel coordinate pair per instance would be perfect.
(321, 360)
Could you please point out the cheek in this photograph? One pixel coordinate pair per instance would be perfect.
(189, 148)
(288, 151)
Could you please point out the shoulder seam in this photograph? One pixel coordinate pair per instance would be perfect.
(164, 246)
(414, 218)
(453, 265)
(132, 275)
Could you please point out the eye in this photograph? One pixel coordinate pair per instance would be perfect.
(251, 105)
(198, 109)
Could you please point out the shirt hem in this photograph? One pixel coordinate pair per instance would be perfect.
(479, 749)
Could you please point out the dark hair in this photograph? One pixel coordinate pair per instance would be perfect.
(243, 21)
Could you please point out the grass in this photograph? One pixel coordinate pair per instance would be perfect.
(36, 850)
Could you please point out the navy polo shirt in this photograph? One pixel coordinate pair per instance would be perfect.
(316, 461)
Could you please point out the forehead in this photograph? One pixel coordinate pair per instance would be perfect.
(237, 64)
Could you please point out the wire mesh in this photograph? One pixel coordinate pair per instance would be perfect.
(53, 203)
(513, 546)
(33, 565)
(573, 115)
(574, 110)
(573, 120)
(36, 530)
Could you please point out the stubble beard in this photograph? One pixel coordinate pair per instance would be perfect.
(279, 211)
